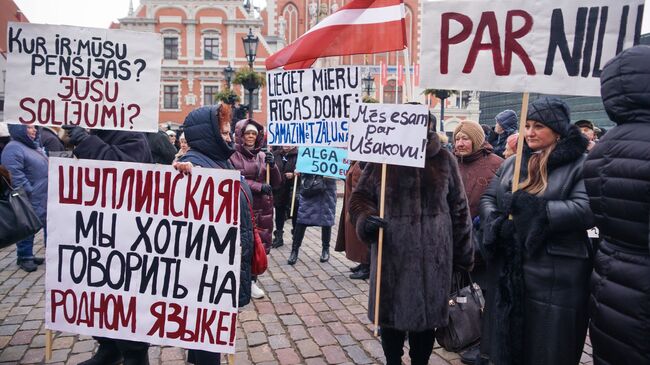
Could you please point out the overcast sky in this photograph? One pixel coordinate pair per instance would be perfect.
(100, 13)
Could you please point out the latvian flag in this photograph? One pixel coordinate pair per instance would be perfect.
(360, 27)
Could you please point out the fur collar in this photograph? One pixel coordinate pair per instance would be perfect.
(433, 146)
(567, 150)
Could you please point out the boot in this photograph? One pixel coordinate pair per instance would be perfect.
(278, 240)
(107, 354)
(325, 254)
(27, 264)
(299, 234)
(138, 357)
(362, 274)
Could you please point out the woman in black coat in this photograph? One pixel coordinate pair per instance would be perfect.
(539, 261)
(617, 177)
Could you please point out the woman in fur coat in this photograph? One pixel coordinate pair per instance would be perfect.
(427, 234)
(539, 261)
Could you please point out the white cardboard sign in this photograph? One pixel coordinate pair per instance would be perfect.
(94, 78)
(389, 133)
(552, 47)
(144, 253)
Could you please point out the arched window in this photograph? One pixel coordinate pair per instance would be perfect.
(392, 93)
(290, 15)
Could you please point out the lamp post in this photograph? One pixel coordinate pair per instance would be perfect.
(250, 48)
(228, 73)
(442, 95)
(368, 84)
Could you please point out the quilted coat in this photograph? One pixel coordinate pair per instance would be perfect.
(320, 209)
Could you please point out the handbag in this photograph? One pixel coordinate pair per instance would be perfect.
(259, 262)
(312, 185)
(17, 217)
(465, 311)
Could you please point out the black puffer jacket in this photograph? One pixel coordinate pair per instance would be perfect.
(549, 324)
(617, 176)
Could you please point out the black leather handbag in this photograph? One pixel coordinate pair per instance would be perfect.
(465, 311)
(17, 217)
(312, 185)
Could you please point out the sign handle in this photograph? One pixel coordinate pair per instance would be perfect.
(407, 87)
(268, 173)
(293, 196)
(231, 359)
(48, 345)
(380, 245)
(520, 141)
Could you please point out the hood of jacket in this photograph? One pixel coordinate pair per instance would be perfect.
(240, 127)
(18, 132)
(201, 128)
(625, 86)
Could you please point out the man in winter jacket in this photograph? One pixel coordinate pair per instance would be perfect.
(506, 124)
(113, 146)
(617, 178)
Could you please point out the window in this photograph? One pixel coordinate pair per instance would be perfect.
(210, 94)
(392, 93)
(211, 48)
(170, 100)
(289, 30)
(171, 48)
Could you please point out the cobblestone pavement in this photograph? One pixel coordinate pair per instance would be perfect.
(312, 314)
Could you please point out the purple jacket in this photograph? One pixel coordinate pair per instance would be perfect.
(252, 167)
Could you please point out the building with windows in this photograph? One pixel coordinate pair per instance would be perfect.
(200, 39)
(9, 12)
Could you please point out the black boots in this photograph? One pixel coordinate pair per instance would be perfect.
(107, 354)
(362, 273)
(298, 236)
(326, 235)
(278, 240)
(325, 254)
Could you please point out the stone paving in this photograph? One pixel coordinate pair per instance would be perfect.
(313, 314)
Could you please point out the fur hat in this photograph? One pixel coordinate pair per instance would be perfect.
(507, 119)
(473, 130)
(552, 112)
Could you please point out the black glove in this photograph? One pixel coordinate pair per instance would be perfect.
(266, 189)
(507, 229)
(371, 227)
(522, 200)
(506, 202)
(77, 135)
(269, 159)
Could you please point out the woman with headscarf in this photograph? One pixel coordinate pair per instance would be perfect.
(207, 131)
(26, 161)
(252, 162)
(538, 260)
(477, 165)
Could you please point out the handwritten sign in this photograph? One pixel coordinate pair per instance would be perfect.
(94, 78)
(144, 253)
(325, 161)
(553, 47)
(389, 133)
(311, 107)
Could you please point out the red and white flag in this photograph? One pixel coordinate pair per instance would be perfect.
(360, 27)
(384, 73)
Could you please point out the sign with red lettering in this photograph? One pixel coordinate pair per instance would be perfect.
(552, 47)
(144, 253)
(94, 78)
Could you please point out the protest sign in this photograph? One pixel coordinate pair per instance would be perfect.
(325, 161)
(389, 133)
(94, 78)
(553, 47)
(311, 107)
(143, 253)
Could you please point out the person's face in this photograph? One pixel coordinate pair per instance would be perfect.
(172, 139)
(462, 144)
(225, 134)
(31, 132)
(539, 136)
(249, 138)
(184, 145)
(588, 133)
(498, 129)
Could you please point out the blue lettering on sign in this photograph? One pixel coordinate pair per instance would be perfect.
(314, 133)
(326, 161)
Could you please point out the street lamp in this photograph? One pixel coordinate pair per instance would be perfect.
(442, 95)
(250, 48)
(368, 84)
(228, 73)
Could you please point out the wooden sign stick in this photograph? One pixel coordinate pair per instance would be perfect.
(48, 345)
(520, 141)
(380, 245)
(293, 196)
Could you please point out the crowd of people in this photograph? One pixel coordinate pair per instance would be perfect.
(522, 235)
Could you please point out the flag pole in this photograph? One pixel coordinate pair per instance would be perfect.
(293, 195)
(520, 141)
(380, 246)
(407, 63)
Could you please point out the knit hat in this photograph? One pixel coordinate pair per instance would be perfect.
(473, 130)
(507, 119)
(251, 127)
(171, 133)
(585, 124)
(552, 112)
(512, 141)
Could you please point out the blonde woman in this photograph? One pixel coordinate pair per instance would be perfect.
(539, 260)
